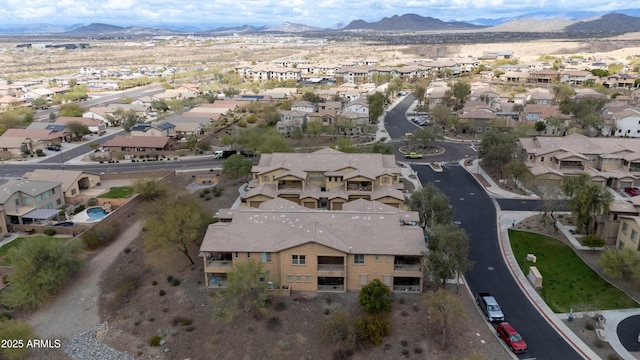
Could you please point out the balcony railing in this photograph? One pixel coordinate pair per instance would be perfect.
(407, 267)
(220, 263)
(330, 267)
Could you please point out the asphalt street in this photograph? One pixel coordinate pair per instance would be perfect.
(476, 213)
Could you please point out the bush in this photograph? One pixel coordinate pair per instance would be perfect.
(280, 306)
(154, 283)
(417, 350)
(340, 330)
(41, 267)
(217, 191)
(155, 340)
(404, 343)
(169, 278)
(92, 202)
(589, 326)
(341, 354)
(99, 236)
(375, 297)
(274, 324)
(371, 330)
(175, 282)
(592, 241)
(49, 232)
(15, 330)
(327, 311)
(161, 292)
(405, 352)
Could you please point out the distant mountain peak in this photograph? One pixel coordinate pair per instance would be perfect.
(410, 22)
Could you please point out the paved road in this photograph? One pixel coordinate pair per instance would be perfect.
(476, 212)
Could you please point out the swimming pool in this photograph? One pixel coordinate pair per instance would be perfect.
(96, 213)
(90, 215)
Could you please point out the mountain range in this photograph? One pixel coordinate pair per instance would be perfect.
(605, 24)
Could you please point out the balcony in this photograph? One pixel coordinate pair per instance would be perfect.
(407, 269)
(331, 269)
(218, 266)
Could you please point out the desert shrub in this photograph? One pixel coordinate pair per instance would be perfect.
(217, 191)
(154, 283)
(274, 324)
(342, 354)
(15, 330)
(284, 345)
(169, 278)
(206, 191)
(404, 313)
(328, 300)
(127, 250)
(99, 236)
(327, 311)
(589, 326)
(405, 352)
(92, 202)
(151, 319)
(371, 330)
(189, 328)
(78, 209)
(401, 301)
(127, 284)
(592, 241)
(155, 340)
(175, 282)
(41, 267)
(280, 306)
(404, 343)
(417, 350)
(375, 297)
(339, 330)
(49, 232)
(182, 321)
(161, 292)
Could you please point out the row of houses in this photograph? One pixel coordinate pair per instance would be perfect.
(351, 118)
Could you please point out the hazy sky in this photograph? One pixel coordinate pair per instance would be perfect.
(320, 13)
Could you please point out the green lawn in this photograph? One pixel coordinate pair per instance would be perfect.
(566, 280)
(118, 192)
(4, 250)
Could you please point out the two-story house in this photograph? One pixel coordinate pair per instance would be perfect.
(305, 249)
(325, 179)
(74, 182)
(165, 129)
(31, 201)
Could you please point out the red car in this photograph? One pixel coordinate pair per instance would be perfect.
(511, 337)
(632, 191)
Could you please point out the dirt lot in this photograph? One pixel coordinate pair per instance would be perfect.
(183, 316)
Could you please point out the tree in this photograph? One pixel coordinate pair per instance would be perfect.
(149, 189)
(247, 284)
(418, 91)
(71, 110)
(562, 92)
(461, 91)
(371, 330)
(447, 254)
(236, 166)
(40, 103)
(159, 105)
(621, 264)
(375, 297)
(441, 115)
(445, 308)
(130, 119)
(497, 149)
(376, 106)
(41, 267)
(78, 129)
(310, 96)
(340, 330)
(427, 136)
(540, 126)
(382, 148)
(173, 224)
(432, 206)
(586, 200)
(15, 330)
(517, 170)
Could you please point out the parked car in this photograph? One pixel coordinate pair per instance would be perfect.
(413, 155)
(53, 148)
(511, 337)
(632, 191)
(65, 224)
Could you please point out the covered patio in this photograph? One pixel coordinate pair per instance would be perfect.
(39, 216)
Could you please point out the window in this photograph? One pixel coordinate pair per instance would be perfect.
(27, 201)
(266, 257)
(289, 278)
(248, 255)
(17, 202)
(46, 195)
(389, 258)
(386, 279)
(358, 259)
(265, 178)
(53, 191)
(236, 254)
(307, 278)
(376, 258)
(363, 279)
(73, 191)
(634, 235)
(625, 227)
(298, 259)
(38, 198)
(542, 159)
(58, 202)
(298, 278)
(385, 180)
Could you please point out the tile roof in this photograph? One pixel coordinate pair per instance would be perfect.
(276, 228)
(138, 141)
(66, 177)
(29, 187)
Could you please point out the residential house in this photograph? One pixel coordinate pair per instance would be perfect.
(290, 120)
(325, 178)
(304, 106)
(546, 76)
(477, 121)
(628, 233)
(36, 93)
(577, 77)
(358, 106)
(74, 182)
(163, 129)
(31, 201)
(328, 117)
(352, 123)
(4, 230)
(620, 81)
(607, 226)
(614, 162)
(627, 123)
(436, 95)
(10, 102)
(14, 143)
(94, 125)
(138, 145)
(515, 76)
(318, 250)
(97, 112)
(187, 129)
